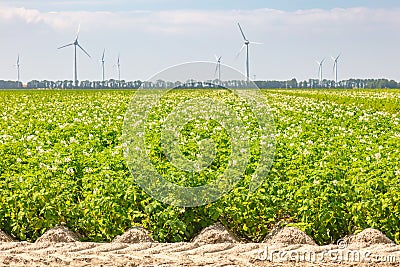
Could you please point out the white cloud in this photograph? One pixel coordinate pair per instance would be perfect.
(192, 21)
(27, 15)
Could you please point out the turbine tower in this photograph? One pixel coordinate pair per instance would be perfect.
(218, 68)
(102, 65)
(335, 68)
(246, 44)
(76, 44)
(18, 70)
(320, 71)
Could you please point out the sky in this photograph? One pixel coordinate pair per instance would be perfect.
(151, 35)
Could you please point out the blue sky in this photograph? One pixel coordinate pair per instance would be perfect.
(120, 5)
(151, 35)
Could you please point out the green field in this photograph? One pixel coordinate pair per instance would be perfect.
(336, 169)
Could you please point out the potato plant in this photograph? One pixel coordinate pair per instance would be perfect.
(336, 168)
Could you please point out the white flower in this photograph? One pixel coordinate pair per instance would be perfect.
(368, 158)
(72, 140)
(52, 168)
(377, 156)
(70, 171)
(243, 150)
(397, 172)
(19, 160)
(67, 159)
(88, 170)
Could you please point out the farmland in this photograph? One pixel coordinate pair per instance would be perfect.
(336, 168)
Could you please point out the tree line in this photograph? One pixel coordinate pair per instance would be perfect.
(67, 84)
(289, 84)
(314, 83)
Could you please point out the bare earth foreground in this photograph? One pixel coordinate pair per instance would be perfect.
(214, 246)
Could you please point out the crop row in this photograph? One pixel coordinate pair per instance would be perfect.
(335, 169)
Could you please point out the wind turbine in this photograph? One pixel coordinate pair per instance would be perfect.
(246, 44)
(102, 65)
(119, 68)
(218, 68)
(18, 70)
(76, 44)
(335, 68)
(320, 70)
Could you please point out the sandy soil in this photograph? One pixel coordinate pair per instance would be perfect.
(214, 246)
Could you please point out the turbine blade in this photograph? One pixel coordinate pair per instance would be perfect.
(216, 70)
(244, 37)
(102, 58)
(77, 33)
(322, 61)
(240, 51)
(65, 45)
(257, 43)
(18, 60)
(338, 57)
(219, 59)
(83, 50)
(333, 58)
